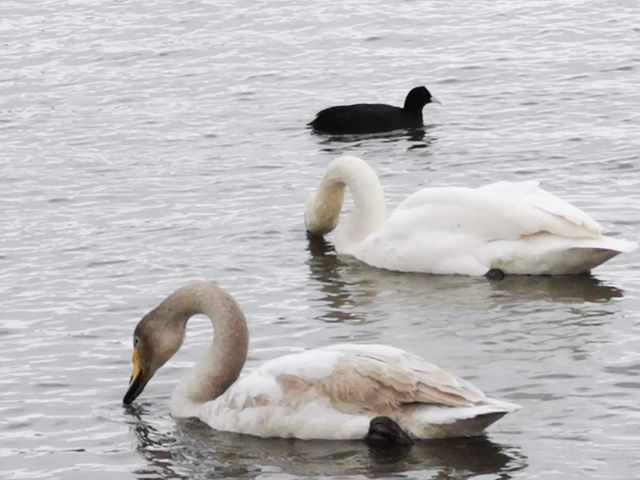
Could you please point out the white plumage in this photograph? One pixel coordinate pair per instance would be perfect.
(513, 226)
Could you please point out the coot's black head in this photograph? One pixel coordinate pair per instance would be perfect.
(417, 98)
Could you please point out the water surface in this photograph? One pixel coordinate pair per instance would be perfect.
(148, 144)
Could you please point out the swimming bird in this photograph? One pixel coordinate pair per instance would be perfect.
(339, 392)
(374, 117)
(504, 227)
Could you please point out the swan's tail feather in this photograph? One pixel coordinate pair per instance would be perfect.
(470, 427)
(616, 244)
(584, 259)
(548, 254)
(443, 422)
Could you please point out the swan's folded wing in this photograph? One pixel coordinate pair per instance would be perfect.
(529, 193)
(500, 211)
(372, 380)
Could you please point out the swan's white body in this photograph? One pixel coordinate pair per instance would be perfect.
(326, 393)
(513, 226)
(334, 392)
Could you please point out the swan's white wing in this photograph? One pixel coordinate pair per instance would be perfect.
(530, 193)
(499, 211)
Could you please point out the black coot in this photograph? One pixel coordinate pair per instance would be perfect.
(374, 117)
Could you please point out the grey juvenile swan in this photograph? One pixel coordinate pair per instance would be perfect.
(340, 392)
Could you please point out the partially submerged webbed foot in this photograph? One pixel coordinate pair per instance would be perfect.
(495, 274)
(383, 430)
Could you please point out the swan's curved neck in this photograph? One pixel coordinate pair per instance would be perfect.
(221, 366)
(369, 210)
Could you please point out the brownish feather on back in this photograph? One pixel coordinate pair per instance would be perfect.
(363, 384)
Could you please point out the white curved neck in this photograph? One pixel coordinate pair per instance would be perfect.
(369, 210)
(222, 364)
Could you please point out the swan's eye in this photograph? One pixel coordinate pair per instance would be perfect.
(136, 341)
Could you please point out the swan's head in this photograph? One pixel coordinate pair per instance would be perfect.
(157, 337)
(321, 217)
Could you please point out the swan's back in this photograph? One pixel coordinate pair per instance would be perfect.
(529, 194)
(503, 210)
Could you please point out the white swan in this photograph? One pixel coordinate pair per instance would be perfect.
(514, 227)
(338, 392)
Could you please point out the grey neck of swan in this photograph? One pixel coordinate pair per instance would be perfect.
(222, 364)
(369, 210)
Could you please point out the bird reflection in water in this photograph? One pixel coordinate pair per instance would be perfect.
(157, 448)
(347, 281)
(188, 448)
(558, 288)
(337, 293)
(416, 138)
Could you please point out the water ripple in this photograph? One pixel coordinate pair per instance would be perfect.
(148, 144)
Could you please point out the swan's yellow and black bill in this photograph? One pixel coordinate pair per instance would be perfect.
(137, 382)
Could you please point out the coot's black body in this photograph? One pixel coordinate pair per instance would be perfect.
(374, 117)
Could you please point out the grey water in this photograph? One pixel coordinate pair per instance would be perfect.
(145, 144)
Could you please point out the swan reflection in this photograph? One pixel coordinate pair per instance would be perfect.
(345, 281)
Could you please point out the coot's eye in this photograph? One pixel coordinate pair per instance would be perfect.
(136, 340)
